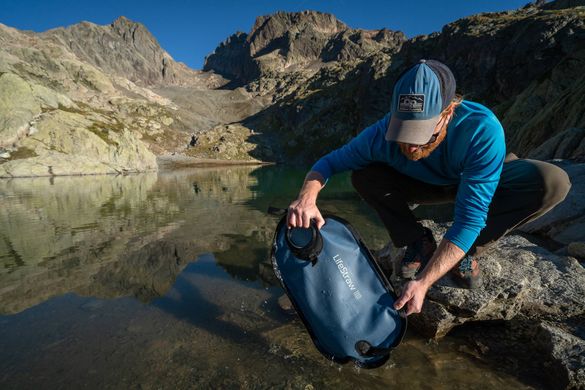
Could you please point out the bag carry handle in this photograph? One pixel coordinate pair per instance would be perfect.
(311, 250)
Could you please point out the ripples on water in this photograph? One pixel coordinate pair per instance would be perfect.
(162, 280)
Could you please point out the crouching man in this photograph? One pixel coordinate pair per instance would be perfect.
(434, 147)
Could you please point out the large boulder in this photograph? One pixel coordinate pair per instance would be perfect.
(68, 143)
(540, 294)
(520, 279)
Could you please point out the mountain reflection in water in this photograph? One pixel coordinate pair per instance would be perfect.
(160, 280)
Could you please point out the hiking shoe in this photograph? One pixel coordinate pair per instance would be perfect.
(467, 274)
(417, 255)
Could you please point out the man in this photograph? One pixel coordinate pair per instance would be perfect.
(434, 147)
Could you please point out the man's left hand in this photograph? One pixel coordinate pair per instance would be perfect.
(413, 296)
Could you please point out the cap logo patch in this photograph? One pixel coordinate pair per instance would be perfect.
(411, 103)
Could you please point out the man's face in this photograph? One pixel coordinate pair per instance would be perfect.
(416, 152)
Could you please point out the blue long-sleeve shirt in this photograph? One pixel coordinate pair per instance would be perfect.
(471, 156)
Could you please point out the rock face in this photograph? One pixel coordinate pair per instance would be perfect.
(90, 99)
(304, 83)
(288, 41)
(124, 48)
(17, 108)
(566, 144)
(524, 64)
(88, 147)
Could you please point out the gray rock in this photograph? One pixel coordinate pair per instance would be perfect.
(124, 48)
(565, 352)
(83, 149)
(524, 285)
(566, 144)
(520, 278)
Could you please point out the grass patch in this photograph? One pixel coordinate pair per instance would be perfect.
(101, 130)
(22, 153)
(70, 109)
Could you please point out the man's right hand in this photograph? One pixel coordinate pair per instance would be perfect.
(301, 212)
(304, 209)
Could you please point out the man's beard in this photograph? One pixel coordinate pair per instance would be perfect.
(423, 151)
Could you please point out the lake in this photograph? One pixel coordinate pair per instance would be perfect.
(162, 280)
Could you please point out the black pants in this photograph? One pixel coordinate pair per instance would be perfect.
(527, 190)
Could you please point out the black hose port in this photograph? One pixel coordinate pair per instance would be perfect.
(305, 243)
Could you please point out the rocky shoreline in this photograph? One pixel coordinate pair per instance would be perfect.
(532, 302)
(178, 161)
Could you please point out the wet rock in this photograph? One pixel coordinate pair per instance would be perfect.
(285, 304)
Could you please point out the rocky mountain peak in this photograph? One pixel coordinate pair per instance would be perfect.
(134, 33)
(284, 25)
(124, 48)
(287, 41)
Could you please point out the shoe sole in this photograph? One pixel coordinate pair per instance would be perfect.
(469, 284)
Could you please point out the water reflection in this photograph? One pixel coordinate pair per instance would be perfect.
(92, 235)
(162, 280)
(131, 235)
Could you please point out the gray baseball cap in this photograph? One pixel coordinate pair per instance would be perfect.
(419, 97)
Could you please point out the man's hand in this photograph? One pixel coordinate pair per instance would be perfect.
(302, 210)
(300, 213)
(413, 296)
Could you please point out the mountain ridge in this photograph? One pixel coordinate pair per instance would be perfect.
(298, 84)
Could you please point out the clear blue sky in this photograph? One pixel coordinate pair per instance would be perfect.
(189, 30)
